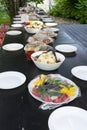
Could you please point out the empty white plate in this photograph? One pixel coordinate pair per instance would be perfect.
(11, 79)
(51, 24)
(48, 20)
(12, 47)
(68, 118)
(80, 72)
(52, 29)
(66, 48)
(16, 18)
(17, 22)
(17, 25)
(13, 32)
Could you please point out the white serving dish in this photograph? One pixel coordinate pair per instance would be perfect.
(48, 67)
(31, 30)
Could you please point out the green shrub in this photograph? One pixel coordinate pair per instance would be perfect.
(75, 9)
(82, 11)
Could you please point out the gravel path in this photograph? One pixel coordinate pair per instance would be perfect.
(65, 21)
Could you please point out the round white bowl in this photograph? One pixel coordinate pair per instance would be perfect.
(31, 30)
(48, 67)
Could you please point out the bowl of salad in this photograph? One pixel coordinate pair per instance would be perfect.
(33, 26)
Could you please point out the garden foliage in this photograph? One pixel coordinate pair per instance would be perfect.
(75, 9)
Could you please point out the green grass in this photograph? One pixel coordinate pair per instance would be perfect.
(4, 18)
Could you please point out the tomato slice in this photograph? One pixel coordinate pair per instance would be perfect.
(47, 99)
(46, 41)
(35, 92)
(65, 97)
(58, 99)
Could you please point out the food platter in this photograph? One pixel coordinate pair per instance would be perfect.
(11, 79)
(43, 38)
(68, 118)
(80, 72)
(12, 47)
(35, 24)
(55, 96)
(47, 60)
(31, 30)
(48, 33)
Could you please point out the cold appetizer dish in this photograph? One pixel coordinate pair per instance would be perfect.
(33, 26)
(48, 33)
(40, 37)
(53, 88)
(47, 57)
(47, 60)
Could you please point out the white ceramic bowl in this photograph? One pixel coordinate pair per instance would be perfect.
(31, 30)
(48, 67)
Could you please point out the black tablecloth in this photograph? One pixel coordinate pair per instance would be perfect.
(18, 109)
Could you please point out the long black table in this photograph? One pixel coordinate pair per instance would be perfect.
(18, 109)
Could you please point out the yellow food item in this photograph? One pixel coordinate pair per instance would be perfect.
(70, 91)
(47, 58)
(40, 81)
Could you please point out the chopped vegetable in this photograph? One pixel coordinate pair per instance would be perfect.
(53, 89)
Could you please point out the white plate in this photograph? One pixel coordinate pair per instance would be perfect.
(11, 79)
(17, 22)
(31, 87)
(17, 19)
(13, 32)
(43, 16)
(17, 16)
(51, 24)
(48, 20)
(80, 72)
(66, 48)
(43, 38)
(52, 29)
(12, 47)
(17, 25)
(68, 118)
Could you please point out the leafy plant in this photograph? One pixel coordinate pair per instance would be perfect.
(82, 11)
(36, 1)
(75, 9)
